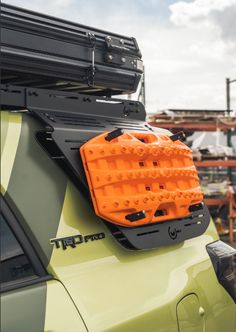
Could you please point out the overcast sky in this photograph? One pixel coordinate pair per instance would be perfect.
(188, 47)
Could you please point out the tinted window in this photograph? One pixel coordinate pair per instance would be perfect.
(14, 263)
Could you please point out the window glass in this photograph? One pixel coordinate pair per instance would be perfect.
(14, 263)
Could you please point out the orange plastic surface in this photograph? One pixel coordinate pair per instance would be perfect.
(140, 172)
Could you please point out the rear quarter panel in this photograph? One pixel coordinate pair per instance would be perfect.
(120, 290)
(114, 289)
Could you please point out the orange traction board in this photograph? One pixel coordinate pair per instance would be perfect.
(140, 178)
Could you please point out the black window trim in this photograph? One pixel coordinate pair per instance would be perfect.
(40, 272)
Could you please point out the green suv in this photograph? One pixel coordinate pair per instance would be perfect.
(103, 224)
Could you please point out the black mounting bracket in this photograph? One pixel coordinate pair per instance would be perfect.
(119, 45)
(72, 119)
(162, 233)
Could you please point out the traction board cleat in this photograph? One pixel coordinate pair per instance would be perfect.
(137, 179)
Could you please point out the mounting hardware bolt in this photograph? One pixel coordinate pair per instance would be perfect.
(109, 57)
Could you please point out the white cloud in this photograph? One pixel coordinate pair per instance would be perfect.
(186, 13)
(212, 14)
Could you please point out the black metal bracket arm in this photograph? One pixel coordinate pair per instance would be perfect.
(20, 97)
(71, 119)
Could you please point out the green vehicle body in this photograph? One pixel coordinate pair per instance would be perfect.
(99, 285)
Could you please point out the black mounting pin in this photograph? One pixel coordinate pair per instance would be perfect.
(196, 207)
(114, 134)
(160, 213)
(136, 216)
(180, 136)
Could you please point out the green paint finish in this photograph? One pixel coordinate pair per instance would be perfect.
(220, 310)
(23, 310)
(119, 290)
(36, 189)
(190, 315)
(4, 127)
(61, 314)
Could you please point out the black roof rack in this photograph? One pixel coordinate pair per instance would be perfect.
(42, 51)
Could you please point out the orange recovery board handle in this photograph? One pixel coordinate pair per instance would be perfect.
(140, 178)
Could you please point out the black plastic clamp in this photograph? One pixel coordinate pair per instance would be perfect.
(114, 134)
(180, 136)
(136, 216)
